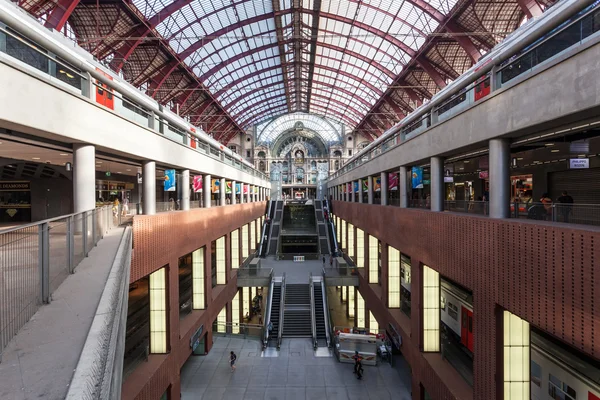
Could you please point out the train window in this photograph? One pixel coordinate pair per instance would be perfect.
(109, 95)
(559, 390)
(452, 311)
(443, 303)
(470, 324)
(100, 91)
(464, 319)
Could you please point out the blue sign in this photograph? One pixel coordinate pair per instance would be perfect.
(169, 180)
(355, 187)
(417, 177)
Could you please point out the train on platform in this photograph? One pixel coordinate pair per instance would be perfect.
(556, 373)
(80, 72)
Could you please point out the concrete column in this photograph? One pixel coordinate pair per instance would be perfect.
(222, 197)
(384, 189)
(207, 190)
(403, 187)
(84, 177)
(185, 189)
(360, 191)
(370, 181)
(149, 188)
(437, 184)
(233, 199)
(351, 193)
(499, 201)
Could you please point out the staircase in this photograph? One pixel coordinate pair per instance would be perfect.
(322, 227)
(275, 308)
(320, 315)
(297, 320)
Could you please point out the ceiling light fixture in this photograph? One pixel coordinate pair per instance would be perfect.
(64, 154)
(35, 158)
(554, 151)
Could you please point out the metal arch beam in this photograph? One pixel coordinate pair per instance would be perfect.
(344, 73)
(251, 92)
(431, 71)
(531, 8)
(397, 109)
(60, 14)
(128, 47)
(256, 118)
(255, 100)
(248, 108)
(371, 29)
(314, 32)
(280, 41)
(464, 41)
(297, 33)
(341, 116)
(185, 96)
(373, 128)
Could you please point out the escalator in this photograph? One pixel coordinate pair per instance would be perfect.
(274, 313)
(266, 229)
(320, 324)
(322, 228)
(275, 228)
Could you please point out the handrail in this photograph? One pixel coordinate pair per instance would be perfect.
(267, 318)
(326, 309)
(333, 234)
(281, 313)
(313, 319)
(264, 231)
(99, 372)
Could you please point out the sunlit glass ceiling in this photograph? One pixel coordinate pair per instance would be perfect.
(256, 60)
(268, 131)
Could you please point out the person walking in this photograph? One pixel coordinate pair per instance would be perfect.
(357, 364)
(330, 261)
(323, 261)
(566, 205)
(232, 358)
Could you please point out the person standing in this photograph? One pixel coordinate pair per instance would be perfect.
(547, 203)
(566, 205)
(232, 358)
(323, 261)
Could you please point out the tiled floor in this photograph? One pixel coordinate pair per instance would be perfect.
(295, 374)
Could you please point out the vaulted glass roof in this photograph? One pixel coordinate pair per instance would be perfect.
(330, 131)
(231, 64)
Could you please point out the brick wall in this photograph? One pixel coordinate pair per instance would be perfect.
(159, 240)
(542, 272)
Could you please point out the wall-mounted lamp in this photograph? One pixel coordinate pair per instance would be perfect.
(68, 167)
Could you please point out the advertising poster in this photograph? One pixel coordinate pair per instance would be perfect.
(197, 184)
(355, 186)
(246, 188)
(169, 180)
(449, 173)
(216, 183)
(377, 184)
(365, 185)
(349, 187)
(393, 181)
(255, 189)
(238, 188)
(228, 187)
(417, 177)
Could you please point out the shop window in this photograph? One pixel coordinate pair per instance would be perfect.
(536, 374)
(351, 296)
(245, 250)
(393, 277)
(235, 313)
(235, 249)
(198, 270)
(253, 235)
(218, 262)
(431, 310)
(373, 259)
(246, 299)
(360, 310)
(405, 280)
(373, 324)
(517, 358)
(158, 311)
(360, 248)
(350, 247)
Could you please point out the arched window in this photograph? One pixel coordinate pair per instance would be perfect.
(261, 154)
(261, 166)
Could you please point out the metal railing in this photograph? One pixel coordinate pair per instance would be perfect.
(328, 319)
(583, 214)
(36, 258)
(238, 329)
(99, 372)
(281, 312)
(267, 317)
(467, 206)
(313, 321)
(244, 272)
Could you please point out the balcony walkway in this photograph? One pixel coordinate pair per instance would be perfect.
(39, 362)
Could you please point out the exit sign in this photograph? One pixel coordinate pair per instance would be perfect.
(107, 173)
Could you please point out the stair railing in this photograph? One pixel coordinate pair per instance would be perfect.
(281, 312)
(313, 318)
(267, 317)
(327, 316)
